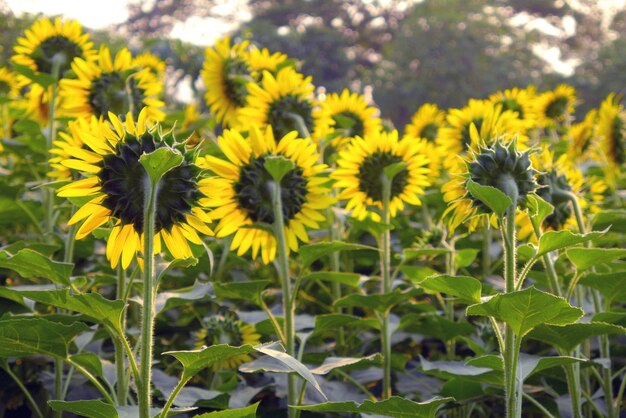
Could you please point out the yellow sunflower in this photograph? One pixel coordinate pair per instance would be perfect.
(226, 73)
(582, 136)
(426, 122)
(64, 147)
(492, 161)
(360, 168)
(284, 101)
(241, 198)
(10, 83)
(557, 178)
(261, 60)
(115, 180)
(612, 134)
(518, 100)
(227, 330)
(555, 106)
(47, 42)
(107, 85)
(150, 61)
(491, 122)
(345, 116)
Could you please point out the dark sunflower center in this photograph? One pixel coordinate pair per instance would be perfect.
(512, 104)
(123, 180)
(281, 115)
(557, 108)
(236, 77)
(350, 123)
(109, 93)
(4, 88)
(65, 50)
(505, 169)
(465, 138)
(553, 189)
(429, 132)
(253, 193)
(617, 145)
(223, 331)
(371, 172)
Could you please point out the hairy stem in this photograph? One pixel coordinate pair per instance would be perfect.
(385, 261)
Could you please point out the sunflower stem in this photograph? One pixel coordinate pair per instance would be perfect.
(334, 232)
(288, 302)
(147, 322)
(49, 193)
(486, 261)
(385, 261)
(120, 366)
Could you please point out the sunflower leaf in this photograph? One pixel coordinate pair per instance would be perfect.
(310, 253)
(159, 162)
(466, 288)
(556, 240)
(393, 407)
(567, 337)
(538, 209)
(194, 361)
(247, 412)
(493, 198)
(585, 258)
(29, 263)
(392, 170)
(278, 166)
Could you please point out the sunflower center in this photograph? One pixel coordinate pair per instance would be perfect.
(123, 180)
(255, 197)
(505, 169)
(111, 92)
(557, 108)
(429, 132)
(617, 145)
(350, 122)
(371, 175)
(56, 48)
(283, 115)
(236, 77)
(512, 104)
(553, 188)
(223, 331)
(466, 140)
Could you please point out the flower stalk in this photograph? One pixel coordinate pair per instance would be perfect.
(385, 261)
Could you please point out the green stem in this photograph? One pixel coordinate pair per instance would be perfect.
(553, 278)
(542, 408)
(486, 262)
(147, 322)
(288, 303)
(49, 193)
(449, 304)
(120, 366)
(356, 383)
(223, 258)
(334, 232)
(385, 262)
(573, 383)
(5, 366)
(181, 384)
(93, 380)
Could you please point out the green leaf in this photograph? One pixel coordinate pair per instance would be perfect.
(29, 263)
(249, 291)
(378, 302)
(436, 326)
(160, 161)
(99, 409)
(495, 199)
(167, 300)
(611, 285)
(349, 279)
(343, 122)
(310, 253)
(614, 317)
(331, 363)
(247, 412)
(538, 209)
(178, 263)
(331, 322)
(393, 407)
(557, 240)
(528, 364)
(89, 361)
(43, 79)
(411, 253)
(464, 287)
(393, 170)
(276, 351)
(584, 258)
(567, 337)
(616, 219)
(194, 361)
(526, 309)
(20, 337)
(465, 257)
(278, 166)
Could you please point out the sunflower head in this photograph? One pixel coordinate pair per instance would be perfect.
(48, 44)
(361, 168)
(582, 135)
(150, 61)
(261, 60)
(426, 122)
(10, 83)
(554, 107)
(517, 100)
(612, 133)
(227, 329)
(107, 154)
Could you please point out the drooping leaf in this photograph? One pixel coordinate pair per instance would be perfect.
(525, 309)
(466, 288)
(29, 263)
(167, 300)
(247, 412)
(538, 209)
(568, 337)
(311, 252)
(493, 198)
(20, 337)
(194, 361)
(557, 240)
(585, 258)
(615, 218)
(98, 409)
(393, 407)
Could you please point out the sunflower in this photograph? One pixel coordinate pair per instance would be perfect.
(226, 73)
(114, 184)
(47, 42)
(226, 329)
(261, 60)
(345, 116)
(241, 198)
(284, 101)
(360, 170)
(112, 86)
(517, 100)
(150, 61)
(64, 147)
(557, 180)
(582, 136)
(426, 122)
(10, 83)
(495, 163)
(612, 133)
(491, 122)
(555, 106)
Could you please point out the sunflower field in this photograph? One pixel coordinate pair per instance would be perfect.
(284, 251)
